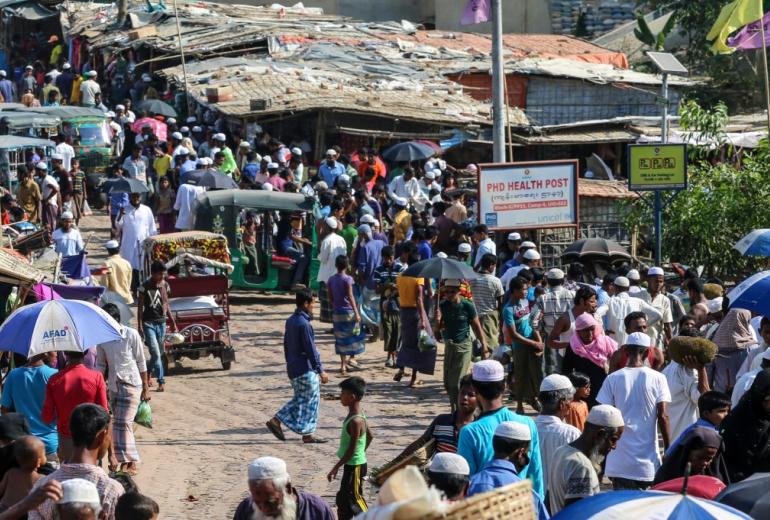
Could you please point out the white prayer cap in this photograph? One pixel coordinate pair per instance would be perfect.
(183, 151)
(366, 229)
(531, 254)
(331, 222)
(527, 244)
(272, 166)
(197, 129)
(219, 137)
(430, 175)
(639, 339)
(57, 157)
(715, 305)
(555, 274)
(331, 151)
(606, 416)
(471, 167)
(191, 119)
(296, 150)
(465, 247)
(91, 73)
(555, 382)
(344, 178)
(120, 107)
(80, 490)
(67, 215)
(207, 161)
(622, 281)
(244, 144)
(321, 185)
(366, 219)
(66, 66)
(109, 113)
(514, 431)
(655, 271)
(2, 73)
(146, 77)
(171, 121)
(400, 201)
(633, 274)
(450, 463)
(29, 67)
(267, 468)
(257, 157)
(442, 254)
(488, 370)
(267, 186)
(452, 282)
(111, 244)
(514, 236)
(41, 166)
(177, 135)
(185, 130)
(442, 164)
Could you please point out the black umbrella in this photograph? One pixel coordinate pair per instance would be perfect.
(155, 106)
(124, 185)
(212, 179)
(750, 496)
(589, 247)
(441, 268)
(408, 152)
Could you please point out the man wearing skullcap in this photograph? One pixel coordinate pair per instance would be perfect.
(548, 307)
(272, 495)
(642, 395)
(530, 259)
(49, 203)
(475, 442)
(67, 239)
(623, 304)
(655, 296)
(117, 276)
(402, 219)
(573, 474)
(330, 169)
(332, 246)
(556, 392)
(511, 442)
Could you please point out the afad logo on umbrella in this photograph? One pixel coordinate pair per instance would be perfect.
(50, 335)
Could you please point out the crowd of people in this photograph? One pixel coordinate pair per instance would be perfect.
(590, 357)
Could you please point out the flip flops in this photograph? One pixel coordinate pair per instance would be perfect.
(275, 430)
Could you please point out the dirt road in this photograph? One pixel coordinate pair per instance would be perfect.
(210, 423)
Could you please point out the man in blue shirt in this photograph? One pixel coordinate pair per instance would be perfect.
(24, 393)
(303, 364)
(475, 442)
(6, 88)
(330, 170)
(511, 443)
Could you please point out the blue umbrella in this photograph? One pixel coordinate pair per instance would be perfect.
(752, 294)
(756, 243)
(57, 325)
(626, 505)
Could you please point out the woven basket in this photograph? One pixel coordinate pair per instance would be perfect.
(419, 458)
(513, 502)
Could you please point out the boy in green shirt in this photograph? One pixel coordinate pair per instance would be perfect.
(354, 441)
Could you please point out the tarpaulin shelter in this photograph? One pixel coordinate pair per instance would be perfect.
(23, 17)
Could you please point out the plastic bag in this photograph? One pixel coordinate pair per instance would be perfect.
(144, 415)
(426, 341)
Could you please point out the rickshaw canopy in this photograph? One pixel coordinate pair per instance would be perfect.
(167, 246)
(66, 112)
(16, 141)
(20, 120)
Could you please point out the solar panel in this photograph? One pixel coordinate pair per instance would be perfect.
(667, 63)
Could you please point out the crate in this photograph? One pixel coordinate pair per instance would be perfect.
(142, 32)
(219, 94)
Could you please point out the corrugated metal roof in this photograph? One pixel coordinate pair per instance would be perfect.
(580, 137)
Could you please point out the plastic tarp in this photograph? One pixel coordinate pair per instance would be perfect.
(28, 10)
(15, 141)
(16, 120)
(737, 139)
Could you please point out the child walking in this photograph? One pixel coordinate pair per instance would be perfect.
(18, 482)
(578, 407)
(354, 441)
(385, 278)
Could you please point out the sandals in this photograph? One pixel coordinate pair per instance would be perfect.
(398, 376)
(275, 430)
(313, 440)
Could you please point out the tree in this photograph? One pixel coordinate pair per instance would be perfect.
(644, 34)
(723, 202)
(581, 29)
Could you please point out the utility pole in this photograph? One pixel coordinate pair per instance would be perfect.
(658, 195)
(498, 77)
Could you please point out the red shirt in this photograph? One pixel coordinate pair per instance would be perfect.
(70, 387)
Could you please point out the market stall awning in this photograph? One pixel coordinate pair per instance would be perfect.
(26, 9)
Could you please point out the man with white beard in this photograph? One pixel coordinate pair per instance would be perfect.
(574, 472)
(273, 496)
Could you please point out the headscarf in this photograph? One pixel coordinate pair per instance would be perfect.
(746, 431)
(734, 332)
(600, 349)
(675, 464)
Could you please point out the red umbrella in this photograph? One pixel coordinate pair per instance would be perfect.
(433, 145)
(158, 127)
(701, 486)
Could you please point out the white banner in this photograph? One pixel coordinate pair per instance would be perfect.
(528, 195)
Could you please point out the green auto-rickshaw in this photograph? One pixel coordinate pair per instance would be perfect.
(225, 212)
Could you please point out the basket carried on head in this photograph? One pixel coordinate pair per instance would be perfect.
(513, 502)
(420, 457)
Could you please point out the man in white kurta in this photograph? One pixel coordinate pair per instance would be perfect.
(135, 223)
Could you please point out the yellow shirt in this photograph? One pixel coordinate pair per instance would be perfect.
(162, 165)
(75, 95)
(408, 289)
(118, 278)
(56, 54)
(401, 224)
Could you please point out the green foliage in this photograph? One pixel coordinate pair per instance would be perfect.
(646, 36)
(703, 126)
(722, 203)
(581, 30)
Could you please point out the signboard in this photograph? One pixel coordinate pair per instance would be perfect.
(657, 167)
(528, 195)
